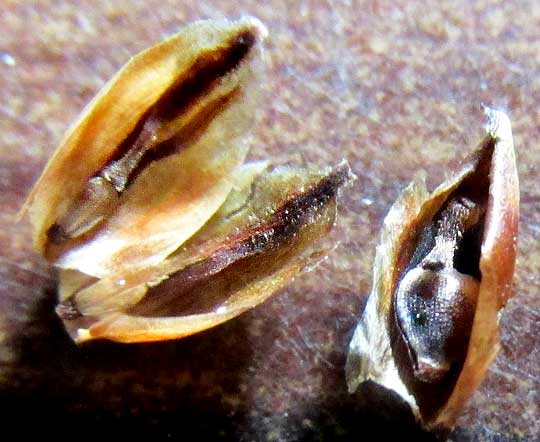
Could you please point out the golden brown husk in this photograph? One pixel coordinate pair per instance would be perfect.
(172, 197)
(265, 233)
(373, 354)
(189, 238)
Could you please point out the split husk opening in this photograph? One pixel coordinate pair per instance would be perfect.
(387, 349)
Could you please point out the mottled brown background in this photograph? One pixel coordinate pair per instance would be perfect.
(393, 86)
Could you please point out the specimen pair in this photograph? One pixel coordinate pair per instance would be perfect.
(160, 229)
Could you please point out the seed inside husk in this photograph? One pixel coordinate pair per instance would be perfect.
(442, 274)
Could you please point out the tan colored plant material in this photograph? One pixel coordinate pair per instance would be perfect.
(442, 274)
(151, 157)
(265, 233)
(157, 227)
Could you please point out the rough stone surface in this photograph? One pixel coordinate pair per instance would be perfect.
(394, 87)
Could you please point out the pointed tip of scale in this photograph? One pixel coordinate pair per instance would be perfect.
(498, 124)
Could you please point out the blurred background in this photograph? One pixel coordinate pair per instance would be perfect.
(393, 87)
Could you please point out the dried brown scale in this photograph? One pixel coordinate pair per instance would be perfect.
(183, 103)
(146, 142)
(165, 233)
(283, 225)
(206, 278)
(442, 273)
(161, 231)
(201, 78)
